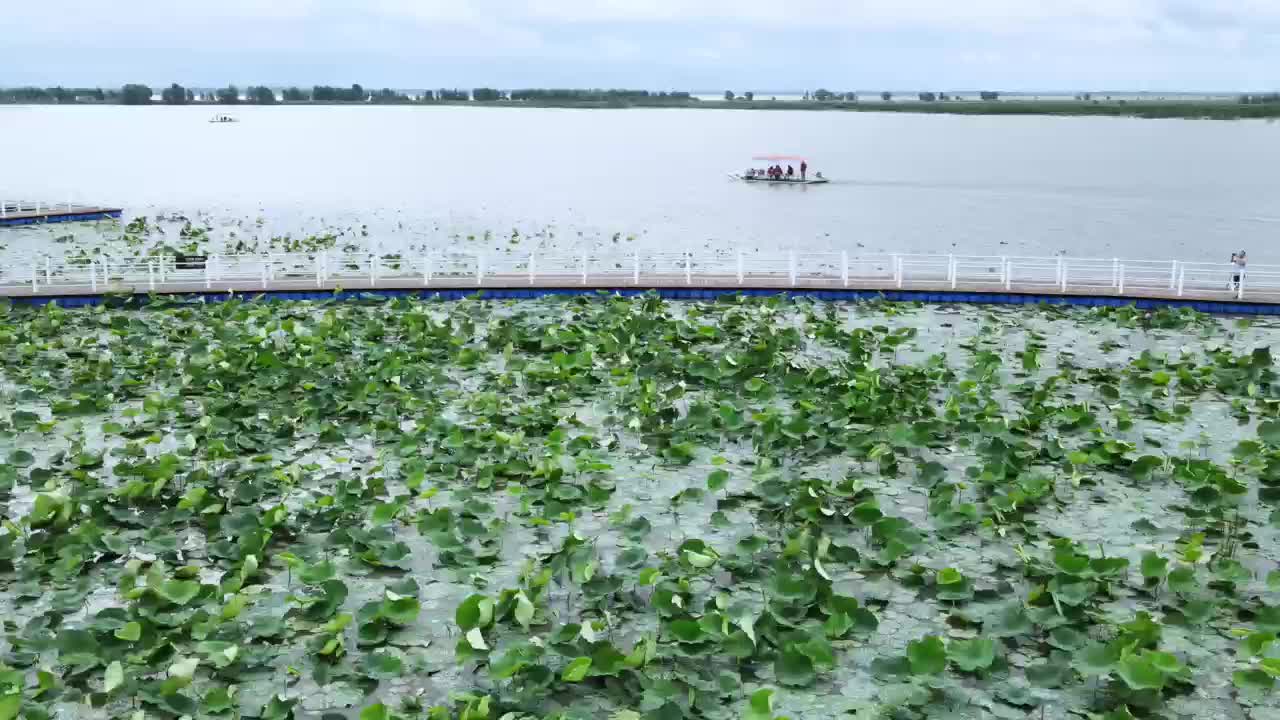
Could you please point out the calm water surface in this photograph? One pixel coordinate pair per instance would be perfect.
(904, 183)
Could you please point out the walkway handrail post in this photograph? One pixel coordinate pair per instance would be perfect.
(263, 272)
(1182, 278)
(897, 270)
(1063, 280)
(740, 277)
(426, 270)
(844, 268)
(479, 269)
(208, 271)
(635, 268)
(1173, 275)
(1008, 274)
(533, 267)
(1240, 289)
(93, 276)
(151, 275)
(1059, 271)
(319, 269)
(48, 271)
(791, 266)
(584, 267)
(1115, 271)
(35, 280)
(1120, 279)
(373, 270)
(688, 270)
(1004, 271)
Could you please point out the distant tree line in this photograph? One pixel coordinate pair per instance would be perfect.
(387, 96)
(136, 94)
(324, 93)
(175, 94)
(595, 95)
(1267, 99)
(824, 95)
(56, 95)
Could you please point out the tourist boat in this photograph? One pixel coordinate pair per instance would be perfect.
(222, 119)
(795, 161)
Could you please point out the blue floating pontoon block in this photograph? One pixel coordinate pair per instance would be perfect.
(678, 293)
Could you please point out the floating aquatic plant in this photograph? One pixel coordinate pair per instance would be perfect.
(608, 507)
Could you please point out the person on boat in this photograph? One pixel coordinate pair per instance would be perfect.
(804, 169)
(791, 173)
(750, 174)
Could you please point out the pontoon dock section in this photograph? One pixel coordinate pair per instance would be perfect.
(31, 212)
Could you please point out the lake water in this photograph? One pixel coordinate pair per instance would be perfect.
(432, 176)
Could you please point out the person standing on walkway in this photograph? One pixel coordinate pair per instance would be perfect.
(804, 169)
(1239, 260)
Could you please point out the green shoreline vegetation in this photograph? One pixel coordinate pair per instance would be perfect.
(1245, 106)
(624, 508)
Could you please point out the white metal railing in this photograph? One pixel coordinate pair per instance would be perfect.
(11, 208)
(333, 269)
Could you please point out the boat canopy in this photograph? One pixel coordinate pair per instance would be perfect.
(779, 158)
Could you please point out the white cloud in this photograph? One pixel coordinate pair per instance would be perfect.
(1089, 41)
(980, 16)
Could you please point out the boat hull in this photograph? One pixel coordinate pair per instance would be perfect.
(768, 181)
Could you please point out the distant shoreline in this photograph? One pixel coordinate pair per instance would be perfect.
(1150, 109)
(1188, 109)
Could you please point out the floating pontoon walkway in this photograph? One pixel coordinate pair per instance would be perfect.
(1210, 287)
(31, 212)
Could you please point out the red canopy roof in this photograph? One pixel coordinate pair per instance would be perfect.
(779, 158)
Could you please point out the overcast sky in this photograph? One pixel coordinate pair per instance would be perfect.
(944, 45)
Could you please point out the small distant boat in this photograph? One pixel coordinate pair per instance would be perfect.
(223, 119)
(749, 177)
